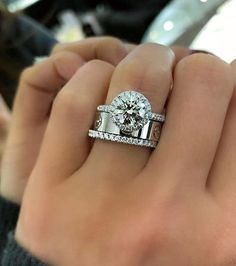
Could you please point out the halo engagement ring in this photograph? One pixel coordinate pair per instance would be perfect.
(128, 119)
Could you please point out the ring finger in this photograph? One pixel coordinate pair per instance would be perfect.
(147, 70)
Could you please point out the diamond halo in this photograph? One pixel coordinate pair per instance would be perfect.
(130, 111)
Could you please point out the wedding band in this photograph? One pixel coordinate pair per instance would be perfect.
(129, 119)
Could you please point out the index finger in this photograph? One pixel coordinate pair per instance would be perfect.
(107, 49)
(40, 83)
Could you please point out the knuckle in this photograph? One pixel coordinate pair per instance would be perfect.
(107, 40)
(97, 42)
(141, 239)
(57, 48)
(61, 59)
(63, 55)
(26, 73)
(152, 46)
(140, 64)
(147, 226)
(110, 46)
(154, 50)
(203, 63)
(70, 105)
(96, 65)
(65, 64)
(208, 70)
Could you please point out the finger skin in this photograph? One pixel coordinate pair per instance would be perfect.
(37, 89)
(202, 91)
(108, 49)
(221, 181)
(148, 70)
(66, 138)
(180, 52)
(99, 224)
(39, 85)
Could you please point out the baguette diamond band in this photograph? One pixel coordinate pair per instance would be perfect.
(128, 120)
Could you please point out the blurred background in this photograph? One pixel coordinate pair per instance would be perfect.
(30, 28)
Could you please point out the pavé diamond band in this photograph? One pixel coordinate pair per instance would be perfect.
(153, 116)
(122, 139)
(129, 119)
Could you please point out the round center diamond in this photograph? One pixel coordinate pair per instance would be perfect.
(130, 111)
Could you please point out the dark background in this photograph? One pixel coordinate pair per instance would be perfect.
(27, 34)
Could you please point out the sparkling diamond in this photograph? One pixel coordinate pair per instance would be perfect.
(124, 139)
(130, 141)
(107, 136)
(116, 138)
(112, 138)
(130, 111)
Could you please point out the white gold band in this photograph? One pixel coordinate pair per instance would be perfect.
(104, 123)
(105, 129)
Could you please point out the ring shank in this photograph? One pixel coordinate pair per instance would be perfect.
(151, 131)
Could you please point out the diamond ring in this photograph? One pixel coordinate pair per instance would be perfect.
(128, 119)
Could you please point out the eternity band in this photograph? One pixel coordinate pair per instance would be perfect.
(122, 139)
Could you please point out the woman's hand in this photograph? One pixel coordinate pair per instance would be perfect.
(37, 89)
(105, 203)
